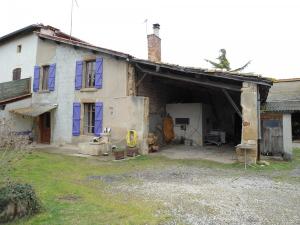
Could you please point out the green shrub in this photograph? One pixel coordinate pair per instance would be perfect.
(17, 200)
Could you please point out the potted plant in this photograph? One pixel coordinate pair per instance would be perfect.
(119, 153)
(131, 151)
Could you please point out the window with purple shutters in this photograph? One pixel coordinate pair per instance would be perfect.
(98, 118)
(36, 79)
(99, 73)
(78, 75)
(51, 77)
(76, 119)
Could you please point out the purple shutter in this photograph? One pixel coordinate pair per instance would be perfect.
(36, 79)
(99, 73)
(76, 119)
(98, 118)
(51, 78)
(78, 75)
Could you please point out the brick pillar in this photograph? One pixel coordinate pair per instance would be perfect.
(250, 121)
(154, 45)
(154, 48)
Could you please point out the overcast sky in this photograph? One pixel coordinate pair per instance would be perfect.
(264, 31)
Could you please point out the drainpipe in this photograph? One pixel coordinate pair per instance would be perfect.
(259, 125)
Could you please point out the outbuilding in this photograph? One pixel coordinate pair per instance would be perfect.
(281, 118)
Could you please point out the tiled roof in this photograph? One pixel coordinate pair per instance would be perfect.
(284, 106)
(284, 96)
(52, 33)
(284, 91)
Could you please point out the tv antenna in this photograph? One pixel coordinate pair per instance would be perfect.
(72, 6)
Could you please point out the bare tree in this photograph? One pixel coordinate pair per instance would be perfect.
(13, 147)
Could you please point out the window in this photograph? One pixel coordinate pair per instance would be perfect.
(17, 74)
(45, 77)
(89, 118)
(19, 48)
(89, 76)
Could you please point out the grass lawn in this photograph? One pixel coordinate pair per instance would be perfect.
(69, 197)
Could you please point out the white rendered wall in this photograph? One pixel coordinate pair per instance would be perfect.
(193, 111)
(19, 122)
(10, 59)
(65, 57)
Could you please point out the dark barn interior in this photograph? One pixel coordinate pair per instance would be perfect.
(220, 98)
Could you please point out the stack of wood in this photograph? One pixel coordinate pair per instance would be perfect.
(152, 142)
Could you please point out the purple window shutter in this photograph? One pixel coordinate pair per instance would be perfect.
(99, 73)
(78, 75)
(36, 79)
(76, 119)
(98, 118)
(51, 78)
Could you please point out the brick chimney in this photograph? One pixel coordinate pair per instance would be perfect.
(154, 44)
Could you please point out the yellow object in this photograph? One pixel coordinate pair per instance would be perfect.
(131, 138)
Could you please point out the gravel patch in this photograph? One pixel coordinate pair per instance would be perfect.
(295, 172)
(214, 196)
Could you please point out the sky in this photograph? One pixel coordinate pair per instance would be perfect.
(264, 31)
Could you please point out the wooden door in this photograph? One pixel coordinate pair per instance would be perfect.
(45, 128)
(272, 137)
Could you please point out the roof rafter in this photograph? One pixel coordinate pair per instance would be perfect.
(191, 80)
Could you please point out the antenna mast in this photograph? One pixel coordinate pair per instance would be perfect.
(71, 25)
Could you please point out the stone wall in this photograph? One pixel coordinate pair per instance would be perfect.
(65, 56)
(249, 105)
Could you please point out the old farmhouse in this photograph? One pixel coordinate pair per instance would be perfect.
(65, 90)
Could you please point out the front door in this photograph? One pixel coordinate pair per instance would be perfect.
(45, 128)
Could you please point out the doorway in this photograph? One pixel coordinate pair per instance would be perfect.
(45, 128)
(296, 126)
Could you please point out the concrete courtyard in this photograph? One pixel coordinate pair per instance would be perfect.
(222, 154)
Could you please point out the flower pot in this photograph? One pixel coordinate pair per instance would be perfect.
(131, 152)
(119, 155)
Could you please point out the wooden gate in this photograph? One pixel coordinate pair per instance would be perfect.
(272, 138)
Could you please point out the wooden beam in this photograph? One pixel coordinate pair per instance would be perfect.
(140, 80)
(192, 80)
(232, 103)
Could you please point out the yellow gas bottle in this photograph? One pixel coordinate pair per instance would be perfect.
(131, 138)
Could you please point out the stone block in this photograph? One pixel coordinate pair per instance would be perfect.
(89, 148)
(251, 155)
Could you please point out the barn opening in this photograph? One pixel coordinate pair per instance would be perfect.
(206, 107)
(205, 110)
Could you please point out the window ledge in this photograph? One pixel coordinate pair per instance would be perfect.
(88, 89)
(44, 91)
